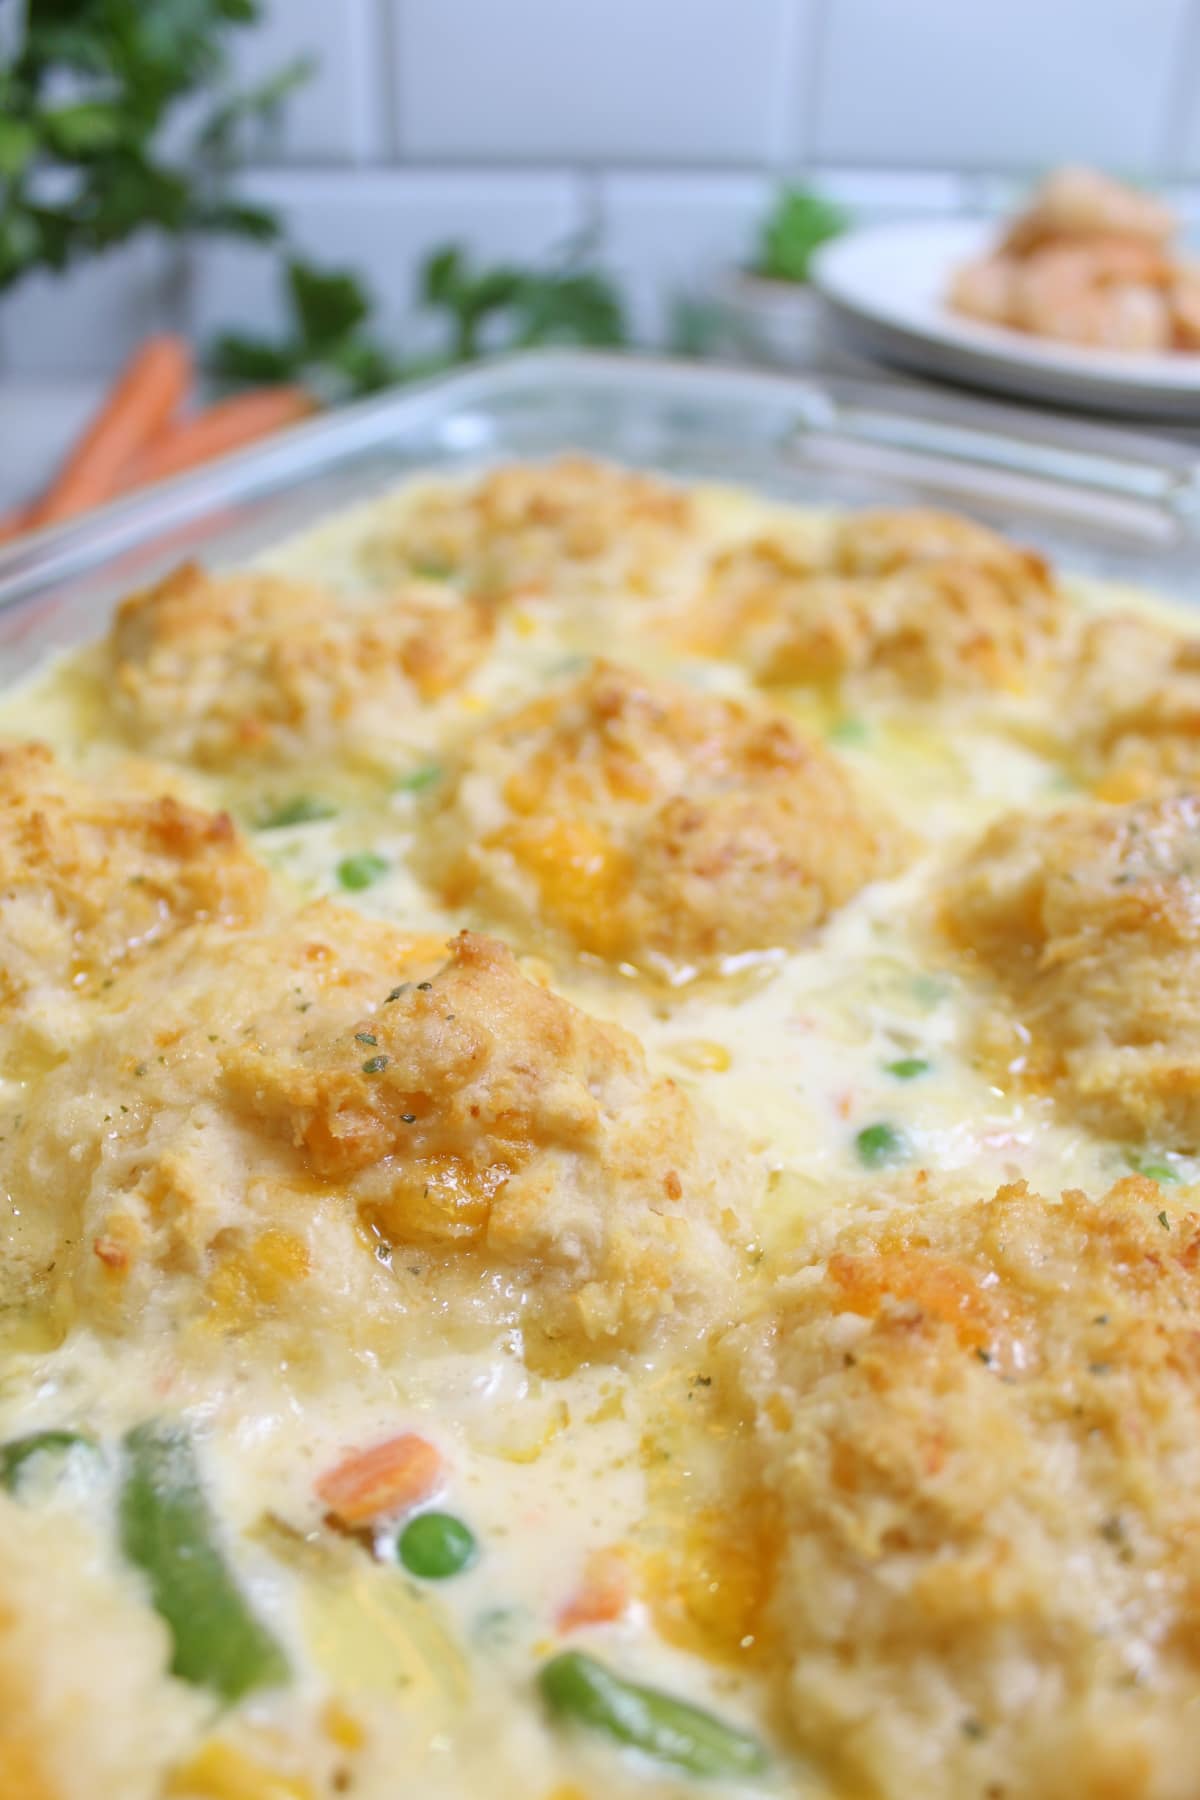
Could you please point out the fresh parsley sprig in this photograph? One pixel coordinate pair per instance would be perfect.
(328, 342)
(797, 225)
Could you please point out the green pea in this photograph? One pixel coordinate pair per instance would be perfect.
(436, 1545)
(301, 809)
(414, 781)
(578, 1689)
(907, 1068)
(358, 872)
(880, 1144)
(15, 1455)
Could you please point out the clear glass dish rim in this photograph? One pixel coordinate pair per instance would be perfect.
(1060, 453)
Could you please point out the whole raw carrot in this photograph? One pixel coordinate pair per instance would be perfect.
(13, 523)
(224, 426)
(149, 389)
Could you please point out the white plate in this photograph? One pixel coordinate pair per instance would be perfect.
(892, 281)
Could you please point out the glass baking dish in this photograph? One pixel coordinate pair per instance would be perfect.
(1102, 502)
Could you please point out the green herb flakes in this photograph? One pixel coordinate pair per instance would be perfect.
(301, 809)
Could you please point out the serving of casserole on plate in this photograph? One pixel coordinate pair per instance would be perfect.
(601, 1088)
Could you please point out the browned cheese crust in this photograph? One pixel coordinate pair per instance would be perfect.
(215, 670)
(643, 821)
(274, 1129)
(919, 603)
(1133, 708)
(489, 1115)
(975, 1431)
(94, 876)
(1088, 920)
(572, 525)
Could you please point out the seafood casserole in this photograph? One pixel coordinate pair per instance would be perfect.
(599, 1117)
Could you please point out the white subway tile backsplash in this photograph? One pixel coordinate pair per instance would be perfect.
(675, 116)
(999, 83)
(875, 194)
(338, 114)
(92, 316)
(668, 236)
(381, 224)
(692, 81)
(1188, 162)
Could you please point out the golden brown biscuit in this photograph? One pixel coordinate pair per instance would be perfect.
(644, 821)
(923, 603)
(258, 1136)
(217, 670)
(975, 1430)
(96, 874)
(478, 1112)
(1089, 922)
(1133, 708)
(567, 526)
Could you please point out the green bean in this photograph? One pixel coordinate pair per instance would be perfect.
(168, 1531)
(15, 1454)
(577, 1688)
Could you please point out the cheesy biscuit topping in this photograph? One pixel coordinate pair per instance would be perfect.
(647, 822)
(1089, 920)
(221, 671)
(975, 1431)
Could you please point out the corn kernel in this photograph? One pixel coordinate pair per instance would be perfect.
(341, 1726)
(219, 1772)
(702, 1054)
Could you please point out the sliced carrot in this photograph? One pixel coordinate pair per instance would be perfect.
(603, 1594)
(149, 389)
(224, 426)
(387, 1478)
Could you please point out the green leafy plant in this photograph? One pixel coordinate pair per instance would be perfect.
(797, 225)
(328, 343)
(571, 304)
(82, 111)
